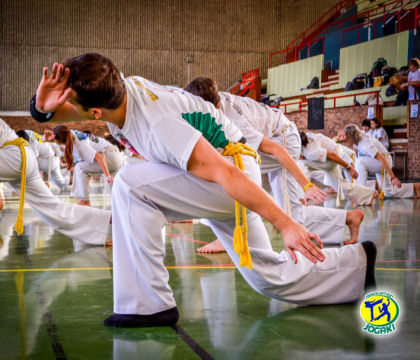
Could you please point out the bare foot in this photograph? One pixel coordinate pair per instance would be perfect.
(108, 243)
(375, 195)
(416, 190)
(213, 247)
(84, 202)
(353, 220)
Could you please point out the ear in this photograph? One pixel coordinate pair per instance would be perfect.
(96, 113)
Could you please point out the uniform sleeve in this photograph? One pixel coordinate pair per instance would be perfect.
(314, 152)
(86, 153)
(172, 141)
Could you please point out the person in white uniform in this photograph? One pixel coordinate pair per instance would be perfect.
(48, 162)
(185, 177)
(379, 133)
(378, 161)
(277, 140)
(366, 126)
(322, 153)
(93, 154)
(89, 225)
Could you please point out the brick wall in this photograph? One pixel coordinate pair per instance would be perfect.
(335, 119)
(27, 123)
(414, 148)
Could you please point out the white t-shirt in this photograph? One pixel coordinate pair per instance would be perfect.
(6, 133)
(369, 146)
(413, 76)
(164, 123)
(82, 150)
(381, 133)
(261, 118)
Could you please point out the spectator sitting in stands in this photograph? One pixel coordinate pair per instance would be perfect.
(366, 127)
(413, 79)
(379, 133)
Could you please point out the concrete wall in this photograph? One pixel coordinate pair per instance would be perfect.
(153, 38)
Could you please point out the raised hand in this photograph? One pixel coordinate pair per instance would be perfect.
(49, 135)
(53, 90)
(315, 194)
(296, 237)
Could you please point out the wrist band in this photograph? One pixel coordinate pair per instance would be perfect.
(38, 115)
(307, 186)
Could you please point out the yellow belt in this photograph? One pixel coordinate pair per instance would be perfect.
(20, 143)
(240, 234)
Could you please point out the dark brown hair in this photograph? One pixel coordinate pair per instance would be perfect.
(366, 122)
(64, 136)
(205, 88)
(96, 81)
(304, 139)
(377, 122)
(415, 62)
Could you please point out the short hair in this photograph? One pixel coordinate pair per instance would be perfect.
(22, 134)
(96, 81)
(415, 62)
(204, 87)
(366, 122)
(353, 133)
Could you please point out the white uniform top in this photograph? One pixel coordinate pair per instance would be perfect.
(6, 133)
(369, 132)
(369, 146)
(381, 133)
(41, 149)
(262, 120)
(82, 150)
(164, 123)
(346, 153)
(57, 149)
(97, 143)
(316, 149)
(413, 76)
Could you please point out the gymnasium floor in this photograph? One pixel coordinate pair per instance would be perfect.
(55, 293)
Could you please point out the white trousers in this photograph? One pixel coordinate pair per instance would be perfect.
(52, 167)
(147, 195)
(365, 164)
(329, 224)
(83, 223)
(114, 160)
(357, 193)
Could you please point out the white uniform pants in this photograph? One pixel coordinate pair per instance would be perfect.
(147, 195)
(83, 223)
(357, 193)
(365, 164)
(52, 166)
(329, 224)
(83, 170)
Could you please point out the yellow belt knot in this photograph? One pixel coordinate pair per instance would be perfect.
(240, 234)
(20, 143)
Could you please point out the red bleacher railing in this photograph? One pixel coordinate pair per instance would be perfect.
(248, 81)
(384, 9)
(367, 14)
(326, 17)
(315, 28)
(384, 20)
(333, 98)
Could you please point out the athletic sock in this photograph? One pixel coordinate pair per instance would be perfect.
(164, 318)
(370, 250)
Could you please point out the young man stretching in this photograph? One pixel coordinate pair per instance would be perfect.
(185, 177)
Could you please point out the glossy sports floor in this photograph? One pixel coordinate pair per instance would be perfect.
(55, 293)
